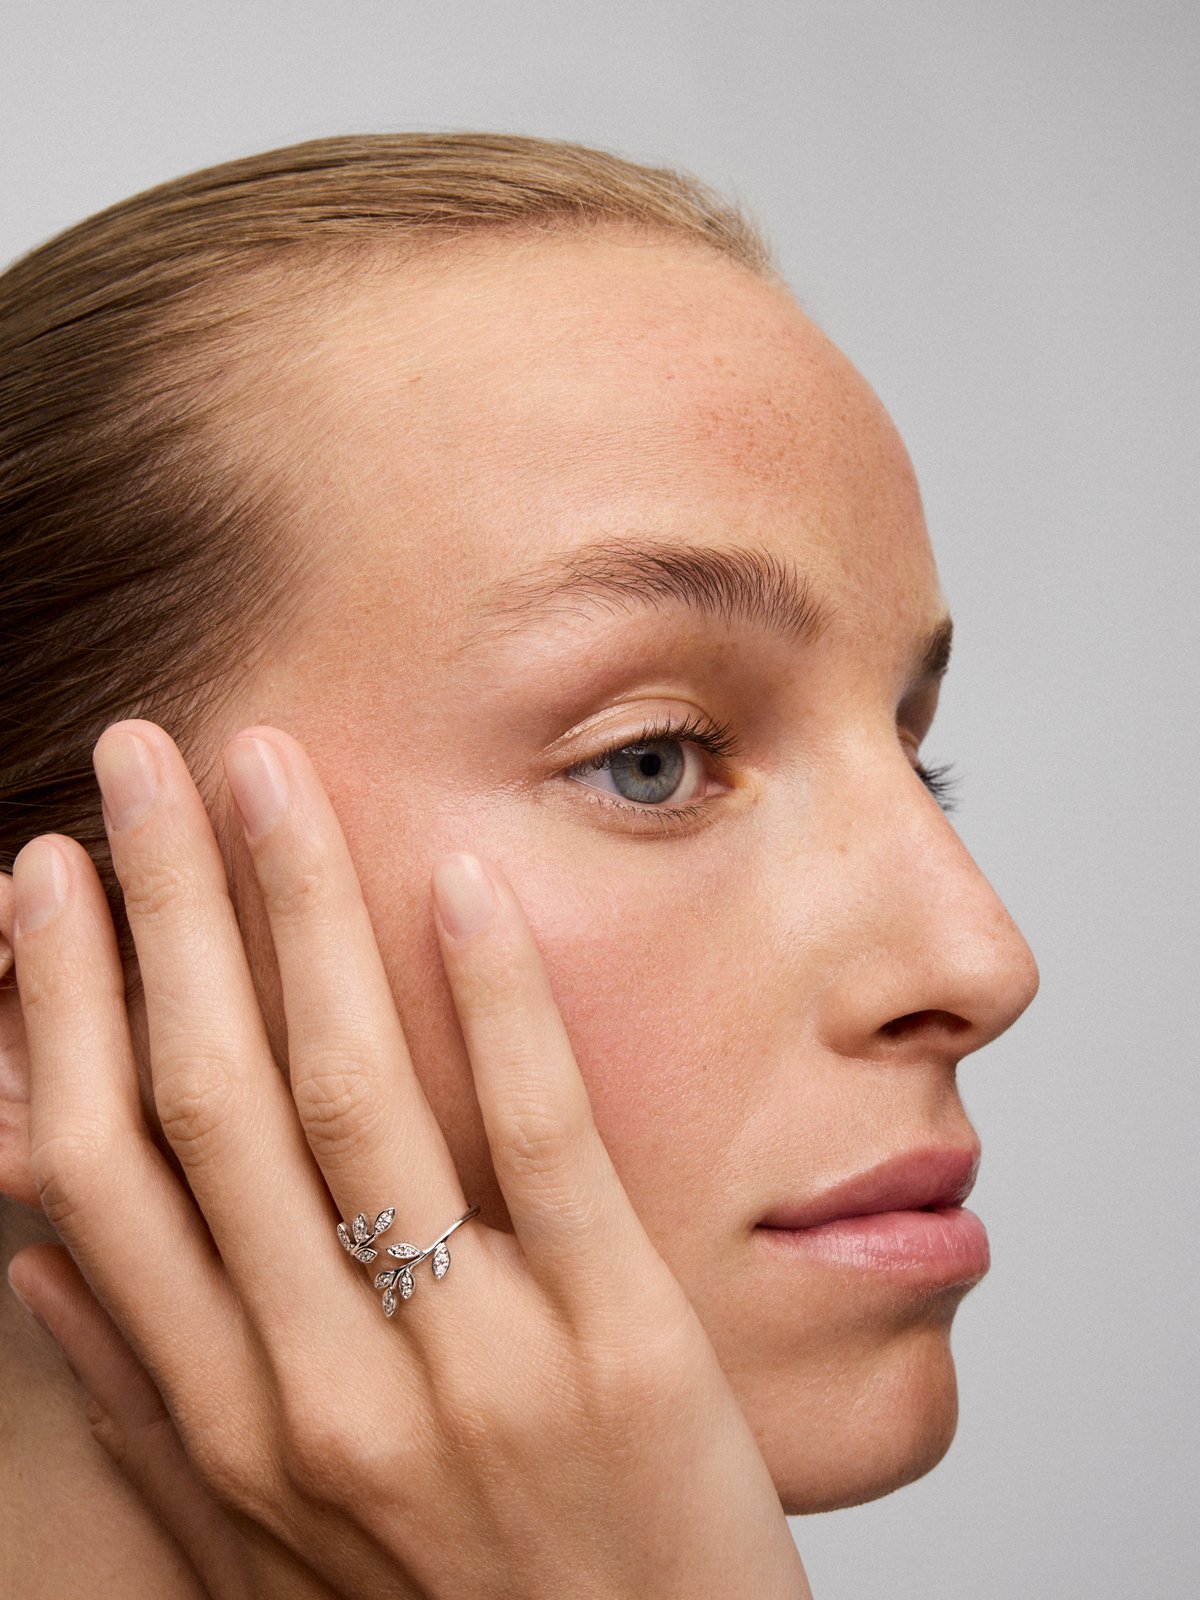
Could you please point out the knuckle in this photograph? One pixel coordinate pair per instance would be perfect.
(637, 1365)
(65, 1168)
(534, 1140)
(230, 1462)
(67, 985)
(41, 986)
(336, 1099)
(541, 1140)
(193, 1096)
(234, 1479)
(107, 1433)
(482, 1414)
(299, 891)
(494, 982)
(341, 1457)
(153, 889)
(321, 1463)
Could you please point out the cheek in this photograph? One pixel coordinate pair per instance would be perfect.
(642, 979)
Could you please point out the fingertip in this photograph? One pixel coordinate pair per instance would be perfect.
(464, 896)
(37, 1265)
(41, 883)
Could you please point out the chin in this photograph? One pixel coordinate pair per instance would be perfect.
(861, 1428)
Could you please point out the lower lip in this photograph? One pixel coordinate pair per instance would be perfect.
(948, 1244)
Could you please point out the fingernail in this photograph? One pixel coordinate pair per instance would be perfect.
(46, 1329)
(40, 882)
(36, 1315)
(258, 784)
(466, 901)
(128, 777)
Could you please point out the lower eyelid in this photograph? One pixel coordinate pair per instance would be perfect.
(646, 818)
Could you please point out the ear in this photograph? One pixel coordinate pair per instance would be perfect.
(15, 1179)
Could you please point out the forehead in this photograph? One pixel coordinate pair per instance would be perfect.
(467, 411)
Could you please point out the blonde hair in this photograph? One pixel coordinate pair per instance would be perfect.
(142, 567)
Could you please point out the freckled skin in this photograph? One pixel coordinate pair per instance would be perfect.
(727, 986)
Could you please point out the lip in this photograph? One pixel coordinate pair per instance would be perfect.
(947, 1247)
(930, 1179)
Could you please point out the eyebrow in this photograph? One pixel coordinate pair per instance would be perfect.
(754, 585)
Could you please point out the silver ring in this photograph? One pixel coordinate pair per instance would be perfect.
(360, 1236)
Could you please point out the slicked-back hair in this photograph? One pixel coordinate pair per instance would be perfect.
(145, 564)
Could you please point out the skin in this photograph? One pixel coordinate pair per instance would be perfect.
(764, 998)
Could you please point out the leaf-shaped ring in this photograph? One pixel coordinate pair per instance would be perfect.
(360, 1236)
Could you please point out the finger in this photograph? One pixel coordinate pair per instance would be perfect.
(221, 1100)
(105, 1186)
(128, 1417)
(573, 1219)
(362, 1107)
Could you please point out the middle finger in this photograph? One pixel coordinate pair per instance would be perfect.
(364, 1112)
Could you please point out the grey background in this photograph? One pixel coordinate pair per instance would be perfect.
(992, 208)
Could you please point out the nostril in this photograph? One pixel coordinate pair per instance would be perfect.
(947, 1021)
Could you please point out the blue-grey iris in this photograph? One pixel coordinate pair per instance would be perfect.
(647, 772)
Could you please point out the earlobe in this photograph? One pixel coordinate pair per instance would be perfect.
(16, 1180)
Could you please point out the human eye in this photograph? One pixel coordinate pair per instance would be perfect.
(662, 764)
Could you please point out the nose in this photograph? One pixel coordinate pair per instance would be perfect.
(932, 963)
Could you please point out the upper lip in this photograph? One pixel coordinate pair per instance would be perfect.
(916, 1180)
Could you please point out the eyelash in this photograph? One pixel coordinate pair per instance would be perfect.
(722, 743)
(942, 782)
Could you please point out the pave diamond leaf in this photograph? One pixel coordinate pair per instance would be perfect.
(347, 1242)
(384, 1280)
(385, 1219)
(361, 1231)
(403, 1252)
(406, 1282)
(389, 1302)
(364, 1253)
(441, 1260)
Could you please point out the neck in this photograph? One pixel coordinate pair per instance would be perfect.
(70, 1523)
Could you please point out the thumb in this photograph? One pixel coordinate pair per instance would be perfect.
(126, 1414)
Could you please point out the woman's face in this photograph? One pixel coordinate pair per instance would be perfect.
(565, 492)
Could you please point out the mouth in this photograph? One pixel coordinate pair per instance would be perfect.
(905, 1214)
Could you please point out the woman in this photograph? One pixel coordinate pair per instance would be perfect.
(504, 629)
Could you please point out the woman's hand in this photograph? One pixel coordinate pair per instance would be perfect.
(548, 1420)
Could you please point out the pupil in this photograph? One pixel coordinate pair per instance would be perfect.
(650, 773)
